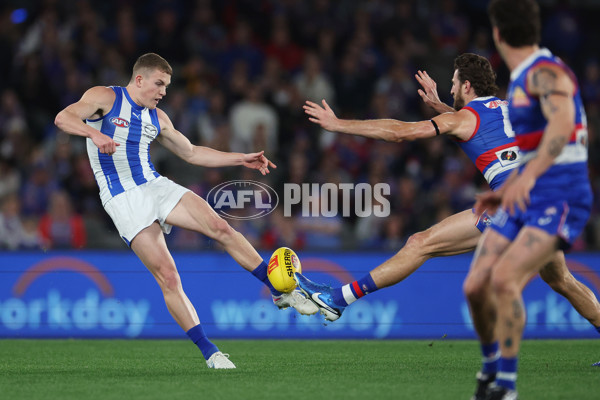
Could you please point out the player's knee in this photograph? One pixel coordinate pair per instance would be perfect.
(474, 289)
(168, 278)
(502, 285)
(419, 242)
(221, 230)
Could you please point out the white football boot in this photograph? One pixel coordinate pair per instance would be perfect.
(296, 300)
(220, 361)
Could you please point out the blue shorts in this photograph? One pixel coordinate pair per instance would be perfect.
(558, 217)
(483, 221)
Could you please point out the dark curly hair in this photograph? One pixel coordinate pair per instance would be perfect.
(478, 71)
(518, 21)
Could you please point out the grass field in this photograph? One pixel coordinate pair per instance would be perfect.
(310, 369)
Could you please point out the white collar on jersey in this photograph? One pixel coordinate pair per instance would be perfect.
(541, 52)
(485, 98)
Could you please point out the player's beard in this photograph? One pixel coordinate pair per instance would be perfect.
(459, 102)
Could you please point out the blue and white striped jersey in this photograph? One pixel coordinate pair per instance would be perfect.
(134, 128)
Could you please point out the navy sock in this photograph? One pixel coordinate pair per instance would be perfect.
(351, 292)
(260, 273)
(491, 355)
(507, 373)
(199, 338)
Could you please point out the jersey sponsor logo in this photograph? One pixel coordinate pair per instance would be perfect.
(150, 131)
(508, 156)
(495, 104)
(120, 122)
(519, 98)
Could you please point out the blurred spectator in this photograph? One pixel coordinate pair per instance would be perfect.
(16, 233)
(281, 46)
(247, 117)
(61, 227)
(312, 84)
(244, 71)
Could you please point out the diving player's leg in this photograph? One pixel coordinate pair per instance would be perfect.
(561, 280)
(194, 213)
(456, 234)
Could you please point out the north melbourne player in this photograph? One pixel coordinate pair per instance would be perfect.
(119, 124)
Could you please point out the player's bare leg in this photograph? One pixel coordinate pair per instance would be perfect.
(194, 213)
(527, 254)
(151, 248)
(482, 305)
(456, 234)
(561, 280)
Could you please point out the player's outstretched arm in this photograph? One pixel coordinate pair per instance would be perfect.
(203, 156)
(459, 124)
(429, 93)
(95, 102)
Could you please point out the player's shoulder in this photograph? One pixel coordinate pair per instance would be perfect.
(100, 94)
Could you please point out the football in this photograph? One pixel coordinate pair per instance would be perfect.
(282, 265)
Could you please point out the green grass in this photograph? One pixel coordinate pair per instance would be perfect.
(281, 370)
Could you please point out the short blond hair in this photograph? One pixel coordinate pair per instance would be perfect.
(151, 62)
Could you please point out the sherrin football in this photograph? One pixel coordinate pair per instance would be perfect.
(282, 265)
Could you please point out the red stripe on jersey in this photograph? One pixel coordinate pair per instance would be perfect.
(486, 158)
(476, 126)
(359, 293)
(530, 141)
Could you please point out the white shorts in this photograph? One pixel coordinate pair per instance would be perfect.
(137, 208)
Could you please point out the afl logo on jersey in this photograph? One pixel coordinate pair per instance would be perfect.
(120, 122)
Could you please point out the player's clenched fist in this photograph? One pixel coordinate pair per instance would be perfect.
(105, 144)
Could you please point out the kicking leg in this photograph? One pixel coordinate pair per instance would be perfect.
(557, 275)
(195, 214)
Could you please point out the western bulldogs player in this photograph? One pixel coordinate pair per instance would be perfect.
(544, 206)
(120, 123)
(481, 127)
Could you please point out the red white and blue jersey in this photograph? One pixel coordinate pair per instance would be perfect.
(492, 146)
(134, 128)
(569, 169)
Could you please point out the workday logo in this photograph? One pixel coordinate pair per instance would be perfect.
(47, 304)
(243, 199)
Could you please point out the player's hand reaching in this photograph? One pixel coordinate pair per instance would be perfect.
(517, 193)
(487, 202)
(429, 92)
(258, 161)
(105, 144)
(323, 116)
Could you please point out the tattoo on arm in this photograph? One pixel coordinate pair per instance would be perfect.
(556, 145)
(548, 104)
(544, 79)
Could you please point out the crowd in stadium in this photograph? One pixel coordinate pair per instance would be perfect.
(242, 71)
